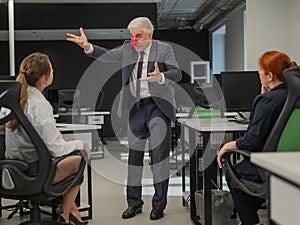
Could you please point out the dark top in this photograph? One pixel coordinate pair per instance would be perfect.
(265, 111)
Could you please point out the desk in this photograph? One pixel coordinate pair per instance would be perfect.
(66, 127)
(175, 134)
(81, 131)
(203, 171)
(92, 118)
(284, 185)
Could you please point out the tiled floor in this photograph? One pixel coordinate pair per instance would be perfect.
(109, 200)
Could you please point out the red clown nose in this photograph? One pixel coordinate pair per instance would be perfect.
(133, 42)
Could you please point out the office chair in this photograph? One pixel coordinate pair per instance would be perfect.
(206, 103)
(201, 97)
(283, 137)
(15, 184)
(68, 99)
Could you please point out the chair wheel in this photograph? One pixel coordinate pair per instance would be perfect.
(59, 210)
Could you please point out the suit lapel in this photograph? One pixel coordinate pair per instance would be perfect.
(152, 56)
(127, 69)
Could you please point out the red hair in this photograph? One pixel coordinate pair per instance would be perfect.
(275, 62)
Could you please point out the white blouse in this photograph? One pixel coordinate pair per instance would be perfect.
(40, 114)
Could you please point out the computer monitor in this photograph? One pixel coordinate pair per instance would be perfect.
(51, 95)
(7, 77)
(239, 90)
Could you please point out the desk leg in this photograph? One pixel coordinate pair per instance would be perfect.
(102, 136)
(182, 139)
(210, 180)
(193, 176)
(90, 194)
(90, 191)
(0, 207)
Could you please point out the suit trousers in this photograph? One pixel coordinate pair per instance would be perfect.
(147, 122)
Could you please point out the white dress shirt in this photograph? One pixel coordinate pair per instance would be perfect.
(40, 114)
(144, 88)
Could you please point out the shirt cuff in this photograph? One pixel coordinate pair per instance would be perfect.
(163, 80)
(90, 50)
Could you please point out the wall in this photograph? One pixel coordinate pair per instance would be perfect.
(272, 25)
(68, 59)
(67, 16)
(234, 41)
(218, 52)
(194, 42)
(294, 26)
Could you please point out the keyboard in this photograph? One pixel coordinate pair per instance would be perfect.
(240, 121)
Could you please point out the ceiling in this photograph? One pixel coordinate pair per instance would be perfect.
(173, 14)
(197, 14)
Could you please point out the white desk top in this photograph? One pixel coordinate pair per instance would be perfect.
(284, 164)
(64, 127)
(84, 113)
(213, 124)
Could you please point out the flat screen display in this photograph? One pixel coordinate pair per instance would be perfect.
(239, 89)
(7, 77)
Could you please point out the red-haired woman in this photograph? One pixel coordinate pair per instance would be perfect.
(265, 110)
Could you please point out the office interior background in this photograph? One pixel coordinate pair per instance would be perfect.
(229, 34)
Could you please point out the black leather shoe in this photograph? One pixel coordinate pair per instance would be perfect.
(156, 214)
(131, 211)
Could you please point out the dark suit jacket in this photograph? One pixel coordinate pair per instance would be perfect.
(160, 52)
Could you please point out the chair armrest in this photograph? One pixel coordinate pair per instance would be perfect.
(244, 153)
(21, 165)
(65, 185)
(250, 187)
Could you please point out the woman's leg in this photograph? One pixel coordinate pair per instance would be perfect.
(75, 212)
(246, 205)
(69, 203)
(66, 168)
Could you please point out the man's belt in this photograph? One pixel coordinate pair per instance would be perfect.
(147, 100)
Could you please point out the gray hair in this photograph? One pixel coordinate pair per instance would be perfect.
(143, 23)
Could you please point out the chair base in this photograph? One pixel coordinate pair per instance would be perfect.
(35, 217)
(42, 223)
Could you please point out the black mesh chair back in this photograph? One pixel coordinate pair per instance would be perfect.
(15, 183)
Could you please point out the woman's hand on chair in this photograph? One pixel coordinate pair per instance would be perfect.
(228, 146)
